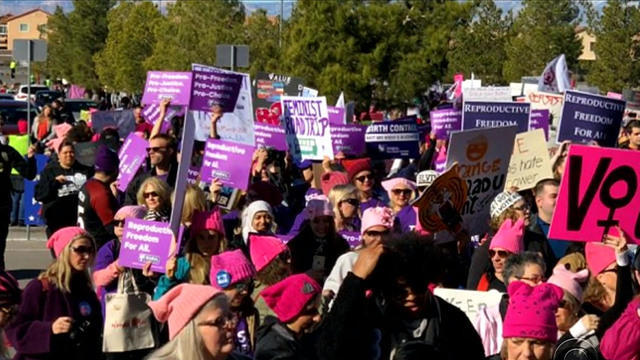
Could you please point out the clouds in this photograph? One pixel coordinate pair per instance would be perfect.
(17, 7)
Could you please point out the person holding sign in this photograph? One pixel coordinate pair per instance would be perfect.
(401, 191)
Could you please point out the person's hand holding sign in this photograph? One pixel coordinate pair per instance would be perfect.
(216, 114)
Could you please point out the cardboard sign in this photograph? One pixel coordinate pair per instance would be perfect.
(540, 120)
(393, 139)
(488, 93)
(588, 117)
(228, 162)
(469, 301)
(529, 162)
(483, 115)
(306, 123)
(132, 154)
(483, 159)
(160, 85)
(348, 138)
(270, 136)
(599, 189)
(546, 101)
(144, 241)
(445, 121)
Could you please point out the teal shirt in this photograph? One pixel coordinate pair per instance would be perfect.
(181, 275)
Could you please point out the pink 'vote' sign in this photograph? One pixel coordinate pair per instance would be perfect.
(598, 191)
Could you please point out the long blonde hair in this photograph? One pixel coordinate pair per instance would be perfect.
(60, 272)
(194, 200)
(339, 193)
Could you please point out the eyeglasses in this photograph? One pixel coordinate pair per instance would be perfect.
(156, 148)
(82, 250)
(364, 177)
(373, 233)
(406, 192)
(501, 253)
(534, 279)
(523, 208)
(221, 322)
(150, 194)
(352, 202)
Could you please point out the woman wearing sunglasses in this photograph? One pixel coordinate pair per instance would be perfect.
(60, 316)
(506, 242)
(155, 195)
(401, 191)
(360, 175)
(233, 274)
(344, 199)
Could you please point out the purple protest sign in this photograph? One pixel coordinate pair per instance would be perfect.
(144, 241)
(336, 115)
(588, 117)
(481, 114)
(270, 136)
(393, 139)
(151, 114)
(540, 120)
(167, 85)
(352, 237)
(227, 161)
(212, 85)
(132, 154)
(445, 121)
(192, 174)
(348, 138)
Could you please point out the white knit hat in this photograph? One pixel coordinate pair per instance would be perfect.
(503, 201)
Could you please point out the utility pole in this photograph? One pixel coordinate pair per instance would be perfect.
(280, 23)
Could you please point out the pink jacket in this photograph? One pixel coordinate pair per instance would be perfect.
(622, 340)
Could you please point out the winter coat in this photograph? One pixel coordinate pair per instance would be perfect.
(305, 247)
(11, 159)
(276, 342)
(132, 190)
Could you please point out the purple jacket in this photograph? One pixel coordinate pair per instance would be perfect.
(30, 332)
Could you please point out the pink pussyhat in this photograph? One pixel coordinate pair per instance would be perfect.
(532, 311)
(64, 236)
(319, 206)
(599, 257)
(264, 248)
(180, 304)
(228, 268)
(130, 211)
(329, 180)
(289, 297)
(569, 281)
(509, 237)
(376, 216)
(207, 220)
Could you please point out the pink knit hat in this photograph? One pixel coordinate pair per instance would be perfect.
(331, 179)
(289, 297)
(374, 216)
(398, 182)
(180, 304)
(263, 249)
(130, 211)
(63, 237)
(531, 311)
(228, 268)
(569, 281)
(319, 206)
(599, 257)
(206, 220)
(509, 237)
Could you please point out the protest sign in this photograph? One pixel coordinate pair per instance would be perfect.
(309, 92)
(546, 101)
(227, 197)
(488, 93)
(151, 114)
(529, 162)
(145, 241)
(588, 117)
(182, 178)
(614, 95)
(480, 114)
(352, 237)
(336, 115)
(175, 86)
(30, 206)
(440, 204)
(445, 121)
(469, 301)
(123, 120)
(214, 86)
(192, 174)
(599, 189)
(540, 120)
(267, 90)
(270, 136)
(306, 123)
(132, 154)
(228, 162)
(348, 138)
(483, 158)
(393, 139)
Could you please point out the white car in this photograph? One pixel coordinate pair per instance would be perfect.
(22, 92)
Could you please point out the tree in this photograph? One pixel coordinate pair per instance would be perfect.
(120, 65)
(480, 47)
(542, 31)
(617, 48)
(260, 33)
(59, 55)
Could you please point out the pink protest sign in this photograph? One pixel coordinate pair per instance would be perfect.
(132, 154)
(227, 161)
(160, 85)
(599, 190)
(145, 241)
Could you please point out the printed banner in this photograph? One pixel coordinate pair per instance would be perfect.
(588, 117)
(482, 115)
(348, 138)
(529, 162)
(132, 154)
(546, 101)
(228, 162)
(270, 136)
(161, 85)
(123, 120)
(30, 206)
(469, 301)
(306, 123)
(599, 190)
(445, 121)
(540, 120)
(336, 115)
(267, 90)
(483, 159)
(151, 114)
(488, 93)
(393, 139)
(144, 241)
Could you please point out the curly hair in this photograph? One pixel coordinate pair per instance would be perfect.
(509, 213)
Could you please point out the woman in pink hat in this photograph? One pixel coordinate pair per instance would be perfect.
(60, 317)
(505, 243)
(401, 191)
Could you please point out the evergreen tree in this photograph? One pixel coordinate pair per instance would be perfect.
(59, 55)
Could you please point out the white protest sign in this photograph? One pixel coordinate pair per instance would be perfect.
(529, 162)
(469, 301)
(306, 123)
(488, 93)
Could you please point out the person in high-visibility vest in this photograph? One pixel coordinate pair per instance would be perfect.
(12, 66)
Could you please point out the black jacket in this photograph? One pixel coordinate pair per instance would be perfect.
(276, 342)
(11, 159)
(304, 247)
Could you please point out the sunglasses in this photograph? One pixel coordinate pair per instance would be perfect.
(156, 148)
(523, 208)
(364, 177)
(81, 250)
(119, 223)
(352, 202)
(564, 304)
(406, 192)
(533, 279)
(501, 253)
(373, 233)
(150, 194)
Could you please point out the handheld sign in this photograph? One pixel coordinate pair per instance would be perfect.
(529, 162)
(270, 136)
(445, 121)
(348, 138)
(145, 241)
(132, 154)
(540, 120)
(227, 161)
(393, 139)
(488, 93)
(469, 301)
(599, 190)
(588, 117)
(160, 85)
(546, 101)
(306, 123)
(479, 115)
(268, 88)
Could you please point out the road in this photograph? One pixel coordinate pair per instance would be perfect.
(26, 259)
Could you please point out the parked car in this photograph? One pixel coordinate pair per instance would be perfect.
(47, 96)
(6, 97)
(12, 111)
(77, 105)
(22, 92)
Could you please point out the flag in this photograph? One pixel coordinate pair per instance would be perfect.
(340, 102)
(555, 77)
